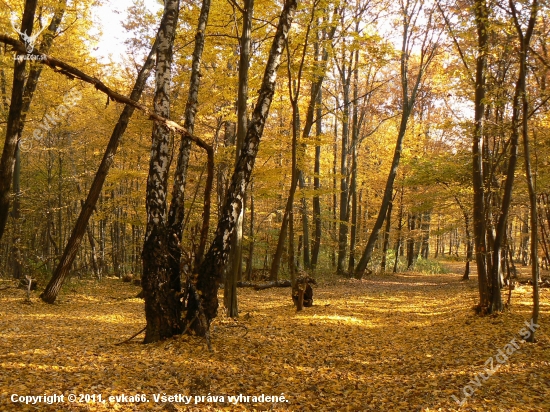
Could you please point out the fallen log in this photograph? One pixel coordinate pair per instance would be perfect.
(266, 285)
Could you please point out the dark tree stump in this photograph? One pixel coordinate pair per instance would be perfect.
(302, 292)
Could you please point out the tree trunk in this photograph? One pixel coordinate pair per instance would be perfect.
(235, 259)
(30, 88)
(250, 262)
(354, 148)
(425, 228)
(481, 14)
(344, 173)
(203, 300)
(386, 239)
(317, 183)
(410, 241)
(399, 242)
(407, 102)
(160, 287)
(525, 40)
(13, 126)
(305, 222)
(297, 174)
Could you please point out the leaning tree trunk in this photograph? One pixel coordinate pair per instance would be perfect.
(52, 290)
(202, 301)
(160, 289)
(13, 126)
(408, 100)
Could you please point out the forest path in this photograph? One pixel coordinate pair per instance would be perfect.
(404, 342)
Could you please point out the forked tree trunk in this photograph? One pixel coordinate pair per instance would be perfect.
(203, 300)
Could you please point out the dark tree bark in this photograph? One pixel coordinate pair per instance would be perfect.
(410, 240)
(519, 101)
(425, 241)
(386, 238)
(399, 243)
(202, 301)
(345, 77)
(305, 222)
(481, 14)
(250, 262)
(7, 162)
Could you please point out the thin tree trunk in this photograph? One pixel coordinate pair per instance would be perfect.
(525, 40)
(399, 230)
(305, 222)
(354, 148)
(235, 259)
(317, 184)
(408, 102)
(386, 238)
(344, 174)
(202, 300)
(250, 263)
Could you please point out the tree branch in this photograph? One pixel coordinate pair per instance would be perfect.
(74, 73)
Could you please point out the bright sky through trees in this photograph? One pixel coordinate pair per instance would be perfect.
(108, 18)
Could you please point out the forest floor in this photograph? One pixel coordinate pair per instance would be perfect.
(406, 342)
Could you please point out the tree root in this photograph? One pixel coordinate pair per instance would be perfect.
(130, 338)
